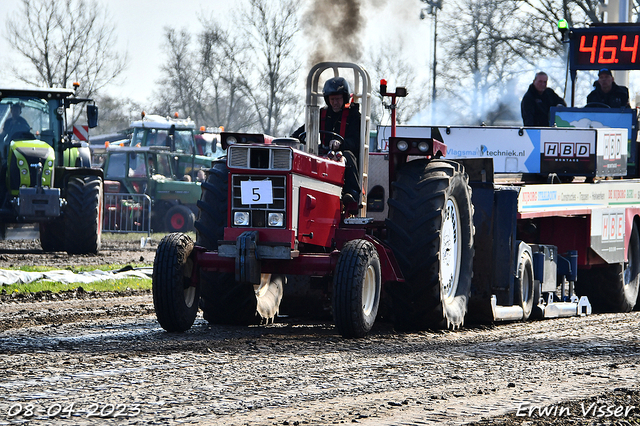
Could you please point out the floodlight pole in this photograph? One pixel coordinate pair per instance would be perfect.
(435, 62)
(434, 5)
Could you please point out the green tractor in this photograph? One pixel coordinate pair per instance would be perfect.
(48, 189)
(190, 154)
(133, 174)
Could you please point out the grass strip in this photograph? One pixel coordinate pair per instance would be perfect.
(112, 285)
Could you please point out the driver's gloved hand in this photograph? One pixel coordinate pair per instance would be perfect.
(334, 145)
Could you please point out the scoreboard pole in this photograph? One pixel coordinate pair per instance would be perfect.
(618, 11)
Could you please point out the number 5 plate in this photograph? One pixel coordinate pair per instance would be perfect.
(256, 192)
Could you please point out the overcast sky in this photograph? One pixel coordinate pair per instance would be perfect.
(139, 27)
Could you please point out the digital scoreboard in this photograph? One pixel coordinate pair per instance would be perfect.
(613, 47)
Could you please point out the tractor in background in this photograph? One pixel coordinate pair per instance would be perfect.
(144, 192)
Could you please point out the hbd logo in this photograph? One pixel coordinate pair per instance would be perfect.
(612, 146)
(566, 149)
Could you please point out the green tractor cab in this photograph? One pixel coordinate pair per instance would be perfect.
(48, 189)
(180, 137)
(149, 171)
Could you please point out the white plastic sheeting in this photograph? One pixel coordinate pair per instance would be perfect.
(8, 277)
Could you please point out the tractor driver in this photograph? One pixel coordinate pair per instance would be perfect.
(14, 124)
(343, 118)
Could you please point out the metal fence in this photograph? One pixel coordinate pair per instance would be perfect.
(127, 213)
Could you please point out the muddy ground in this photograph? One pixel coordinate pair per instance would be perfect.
(84, 358)
(115, 250)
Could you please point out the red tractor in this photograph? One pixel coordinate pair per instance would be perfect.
(274, 209)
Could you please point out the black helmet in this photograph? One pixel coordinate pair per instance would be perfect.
(336, 86)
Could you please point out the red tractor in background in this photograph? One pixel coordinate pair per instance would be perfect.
(273, 209)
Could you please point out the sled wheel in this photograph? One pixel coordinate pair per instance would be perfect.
(179, 218)
(83, 215)
(174, 297)
(356, 288)
(613, 288)
(430, 230)
(524, 286)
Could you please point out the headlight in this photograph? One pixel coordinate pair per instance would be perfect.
(50, 163)
(402, 145)
(47, 172)
(423, 146)
(231, 140)
(24, 171)
(20, 162)
(276, 219)
(241, 218)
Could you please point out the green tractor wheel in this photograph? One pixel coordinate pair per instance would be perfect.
(83, 215)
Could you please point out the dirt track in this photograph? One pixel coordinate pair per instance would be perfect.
(301, 372)
(99, 355)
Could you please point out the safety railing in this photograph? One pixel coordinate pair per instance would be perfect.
(127, 213)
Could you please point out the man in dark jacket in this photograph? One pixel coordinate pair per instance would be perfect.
(343, 118)
(608, 92)
(537, 102)
(13, 126)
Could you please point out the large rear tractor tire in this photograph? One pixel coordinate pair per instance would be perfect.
(223, 300)
(83, 215)
(179, 218)
(430, 230)
(175, 299)
(613, 288)
(357, 285)
(212, 205)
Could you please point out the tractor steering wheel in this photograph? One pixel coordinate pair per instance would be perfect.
(596, 105)
(303, 136)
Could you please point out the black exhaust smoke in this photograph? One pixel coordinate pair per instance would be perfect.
(333, 27)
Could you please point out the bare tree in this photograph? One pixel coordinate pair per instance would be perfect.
(223, 55)
(539, 37)
(478, 55)
(241, 80)
(181, 83)
(538, 34)
(271, 28)
(539, 25)
(387, 62)
(65, 41)
(116, 114)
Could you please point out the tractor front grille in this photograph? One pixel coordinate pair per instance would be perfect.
(23, 167)
(259, 157)
(259, 213)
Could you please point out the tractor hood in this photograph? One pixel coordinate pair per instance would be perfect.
(169, 189)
